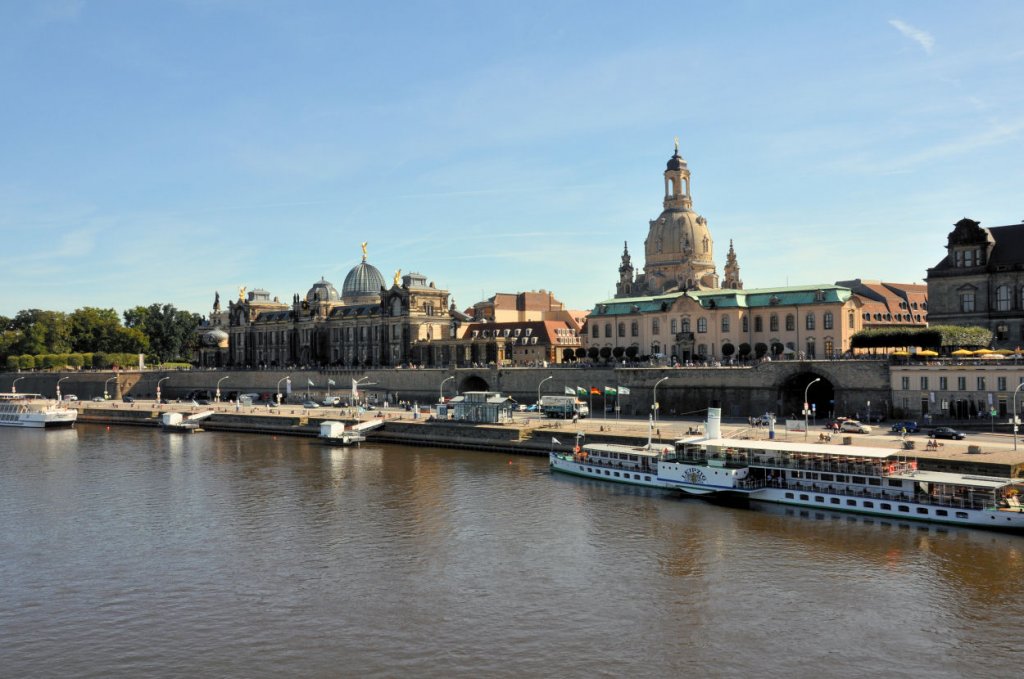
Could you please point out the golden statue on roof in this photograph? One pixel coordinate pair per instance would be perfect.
(364, 251)
(398, 277)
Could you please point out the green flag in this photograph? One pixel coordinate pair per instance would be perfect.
(609, 391)
(580, 391)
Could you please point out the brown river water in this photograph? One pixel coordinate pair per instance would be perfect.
(127, 552)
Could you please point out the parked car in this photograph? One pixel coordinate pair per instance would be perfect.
(332, 401)
(310, 404)
(855, 427)
(947, 433)
(764, 420)
(98, 399)
(70, 397)
(532, 408)
(128, 399)
(911, 427)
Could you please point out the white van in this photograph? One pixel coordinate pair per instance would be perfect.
(248, 399)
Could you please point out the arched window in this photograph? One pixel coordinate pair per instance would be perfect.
(622, 329)
(686, 325)
(725, 322)
(675, 325)
(773, 323)
(634, 329)
(758, 324)
(849, 322)
(826, 320)
(810, 321)
(746, 323)
(790, 322)
(607, 329)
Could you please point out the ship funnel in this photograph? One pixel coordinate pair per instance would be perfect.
(714, 425)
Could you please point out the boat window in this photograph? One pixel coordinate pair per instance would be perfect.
(590, 470)
(616, 475)
(922, 510)
(857, 479)
(941, 512)
(961, 515)
(647, 478)
(851, 503)
(789, 496)
(827, 477)
(804, 497)
(819, 498)
(904, 508)
(636, 476)
(868, 504)
(841, 478)
(886, 506)
(607, 473)
(835, 500)
(898, 483)
(874, 482)
(795, 475)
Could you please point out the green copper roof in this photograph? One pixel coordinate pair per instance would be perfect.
(724, 299)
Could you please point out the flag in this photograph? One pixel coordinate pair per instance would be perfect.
(310, 382)
(330, 382)
(623, 391)
(594, 391)
(609, 391)
(555, 441)
(569, 391)
(580, 391)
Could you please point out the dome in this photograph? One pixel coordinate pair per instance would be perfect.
(676, 162)
(215, 337)
(323, 291)
(364, 279)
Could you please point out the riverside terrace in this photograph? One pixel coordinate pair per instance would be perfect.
(531, 435)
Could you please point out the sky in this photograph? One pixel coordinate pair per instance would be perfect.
(163, 151)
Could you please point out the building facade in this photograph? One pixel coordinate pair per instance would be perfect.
(972, 390)
(980, 281)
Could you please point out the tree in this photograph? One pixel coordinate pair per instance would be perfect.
(13, 363)
(27, 361)
(171, 333)
(581, 353)
(744, 349)
(728, 350)
(618, 353)
(632, 352)
(606, 353)
(593, 353)
(760, 349)
(568, 354)
(42, 332)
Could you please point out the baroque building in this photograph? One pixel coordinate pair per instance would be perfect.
(980, 281)
(679, 249)
(368, 323)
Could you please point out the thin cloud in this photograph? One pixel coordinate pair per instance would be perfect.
(922, 38)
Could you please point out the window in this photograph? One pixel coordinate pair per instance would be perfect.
(826, 320)
(702, 324)
(674, 326)
(725, 323)
(746, 322)
(905, 383)
(810, 321)
(811, 353)
(758, 324)
(924, 384)
(868, 504)
(607, 329)
(943, 384)
(961, 384)
(904, 508)
(981, 383)
(941, 512)
(966, 301)
(829, 347)
(622, 329)
(885, 506)
(1001, 384)
(655, 326)
(922, 510)
(851, 503)
(596, 331)
(819, 498)
(1003, 298)
(790, 322)
(686, 325)
(634, 329)
(773, 323)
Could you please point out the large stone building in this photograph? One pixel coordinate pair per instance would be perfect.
(368, 323)
(980, 281)
(679, 250)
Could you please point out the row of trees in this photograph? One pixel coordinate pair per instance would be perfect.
(158, 330)
(99, 360)
(937, 337)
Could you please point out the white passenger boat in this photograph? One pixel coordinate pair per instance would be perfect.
(861, 479)
(35, 411)
(635, 465)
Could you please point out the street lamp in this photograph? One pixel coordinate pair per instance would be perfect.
(14, 389)
(1015, 414)
(277, 392)
(106, 394)
(226, 377)
(58, 385)
(158, 383)
(549, 377)
(654, 406)
(355, 388)
(807, 406)
(440, 390)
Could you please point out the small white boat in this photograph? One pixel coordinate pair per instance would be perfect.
(336, 433)
(34, 411)
(184, 423)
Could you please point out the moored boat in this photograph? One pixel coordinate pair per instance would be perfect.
(635, 465)
(34, 411)
(860, 479)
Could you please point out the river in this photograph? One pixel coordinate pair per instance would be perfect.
(128, 552)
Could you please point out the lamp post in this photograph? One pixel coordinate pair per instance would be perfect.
(549, 377)
(440, 390)
(14, 389)
(355, 388)
(807, 406)
(106, 394)
(1015, 414)
(58, 385)
(158, 383)
(217, 397)
(277, 391)
(654, 406)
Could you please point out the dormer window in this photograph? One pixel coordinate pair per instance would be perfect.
(507, 332)
(529, 331)
(519, 331)
(819, 295)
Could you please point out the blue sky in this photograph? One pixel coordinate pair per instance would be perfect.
(162, 151)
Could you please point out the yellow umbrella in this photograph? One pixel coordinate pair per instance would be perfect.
(982, 352)
(901, 353)
(1004, 352)
(994, 355)
(963, 352)
(927, 352)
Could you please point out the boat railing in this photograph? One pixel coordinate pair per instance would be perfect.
(608, 464)
(953, 501)
(874, 468)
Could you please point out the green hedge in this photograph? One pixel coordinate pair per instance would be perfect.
(936, 337)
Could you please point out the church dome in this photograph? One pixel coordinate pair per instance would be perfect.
(676, 162)
(323, 291)
(363, 280)
(215, 338)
